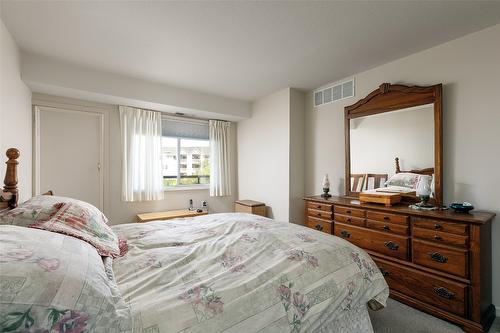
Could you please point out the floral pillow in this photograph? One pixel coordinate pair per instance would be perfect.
(82, 220)
(55, 283)
(404, 179)
(37, 209)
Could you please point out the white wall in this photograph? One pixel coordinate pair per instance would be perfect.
(86, 89)
(263, 154)
(15, 112)
(55, 77)
(297, 149)
(469, 68)
(373, 147)
(270, 155)
(124, 212)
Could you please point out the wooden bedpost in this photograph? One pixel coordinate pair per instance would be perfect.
(10, 180)
(398, 169)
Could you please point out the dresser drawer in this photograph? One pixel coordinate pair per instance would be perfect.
(360, 222)
(385, 243)
(349, 211)
(320, 206)
(455, 228)
(319, 214)
(320, 225)
(386, 217)
(440, 237)
(388, 227)
(445, 259)
(439, 292)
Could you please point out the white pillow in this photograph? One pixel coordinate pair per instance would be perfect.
(404, 179)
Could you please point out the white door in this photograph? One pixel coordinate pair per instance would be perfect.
(69, 153)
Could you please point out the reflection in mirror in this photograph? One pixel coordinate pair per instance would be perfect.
(376, 140)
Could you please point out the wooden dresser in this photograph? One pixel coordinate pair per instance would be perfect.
(436, 261)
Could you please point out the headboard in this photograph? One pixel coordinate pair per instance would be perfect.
(426, 171)
(9, 195)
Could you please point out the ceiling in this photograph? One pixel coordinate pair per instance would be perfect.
(243, 50)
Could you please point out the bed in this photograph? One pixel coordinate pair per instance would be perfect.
(401, 182)
(229, 272)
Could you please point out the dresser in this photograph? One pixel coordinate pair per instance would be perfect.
(436, 261)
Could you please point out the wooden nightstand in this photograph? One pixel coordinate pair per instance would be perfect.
(250, 206)
(168, 215)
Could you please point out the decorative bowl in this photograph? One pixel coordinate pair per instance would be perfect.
(461, 208)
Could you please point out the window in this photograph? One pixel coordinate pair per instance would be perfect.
(185, 153)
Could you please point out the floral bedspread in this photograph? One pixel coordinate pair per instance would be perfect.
(244, 273)
(50, 282)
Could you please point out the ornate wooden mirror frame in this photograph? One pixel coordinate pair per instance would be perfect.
(390, 97)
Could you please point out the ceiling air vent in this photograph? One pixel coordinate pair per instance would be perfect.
(335, 92)
(318, 98)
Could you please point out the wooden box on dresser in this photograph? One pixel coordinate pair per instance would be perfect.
(436, 261)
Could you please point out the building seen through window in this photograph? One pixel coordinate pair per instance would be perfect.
(185, 161)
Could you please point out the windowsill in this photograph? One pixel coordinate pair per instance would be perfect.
(186, 188)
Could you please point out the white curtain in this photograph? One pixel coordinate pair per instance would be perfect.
(142, 178)
(220, 168)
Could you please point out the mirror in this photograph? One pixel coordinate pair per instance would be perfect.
(377, 140)
(393, 140)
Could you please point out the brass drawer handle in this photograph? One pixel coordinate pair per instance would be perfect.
(319, 207)
(443, 292)
(319, 214)
(345, 234)
(386, 228)
(348, 220)
(438, 226)
(318, 227)
(383, 271)
(348, 212)
(387, 218)
(438, 257)
(437, 237)
(391, 245)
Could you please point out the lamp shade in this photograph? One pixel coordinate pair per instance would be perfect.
(326, 182)
(424, 186)
(433, 187)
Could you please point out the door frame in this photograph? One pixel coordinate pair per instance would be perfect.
(103, 172)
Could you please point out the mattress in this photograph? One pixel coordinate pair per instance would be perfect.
(238, 272)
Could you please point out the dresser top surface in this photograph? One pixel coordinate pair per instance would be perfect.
(476, 216)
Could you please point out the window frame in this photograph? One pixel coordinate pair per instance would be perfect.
(179, 187)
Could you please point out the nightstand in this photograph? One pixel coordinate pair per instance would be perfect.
(168, 215)
(250, 206)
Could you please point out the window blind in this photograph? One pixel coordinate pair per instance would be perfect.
(184, 128)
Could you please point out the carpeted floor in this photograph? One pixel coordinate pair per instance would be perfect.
(398, 318)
